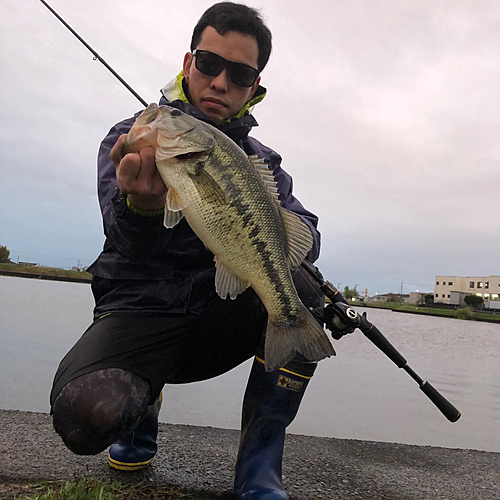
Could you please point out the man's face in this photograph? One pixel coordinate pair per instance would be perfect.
(217, 96)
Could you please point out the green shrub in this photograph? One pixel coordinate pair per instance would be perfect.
(463, 313)
(4, 254)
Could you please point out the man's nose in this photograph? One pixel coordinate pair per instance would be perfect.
(222, 81)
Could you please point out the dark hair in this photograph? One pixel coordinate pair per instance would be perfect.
(229, 16)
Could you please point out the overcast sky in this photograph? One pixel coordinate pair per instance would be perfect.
(386, 114)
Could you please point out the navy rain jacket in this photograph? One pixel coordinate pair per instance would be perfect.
(145, 267)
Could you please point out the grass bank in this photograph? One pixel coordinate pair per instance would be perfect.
(92, 488)
(50, 273)
(461, 313)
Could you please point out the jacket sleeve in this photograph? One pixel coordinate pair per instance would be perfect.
(285, 188)
(131, 235)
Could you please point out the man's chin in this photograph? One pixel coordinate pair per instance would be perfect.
(215, 117)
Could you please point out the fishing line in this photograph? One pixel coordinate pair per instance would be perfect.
(36, 30)
(97, 57)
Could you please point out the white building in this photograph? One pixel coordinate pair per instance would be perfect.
(417, 298)
(453, 289)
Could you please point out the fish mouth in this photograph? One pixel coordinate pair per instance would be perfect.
(192, 155)
(135, 143)
(126, 148)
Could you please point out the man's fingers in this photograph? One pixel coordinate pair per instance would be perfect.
(128, 172)
(137, 174)
(135, 171)
(116, 151)
(148, 163)
(148, 155)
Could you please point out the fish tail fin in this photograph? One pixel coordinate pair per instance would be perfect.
(303, 335)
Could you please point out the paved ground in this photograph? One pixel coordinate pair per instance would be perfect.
(202, 458)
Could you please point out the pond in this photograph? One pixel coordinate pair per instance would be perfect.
(358, 394)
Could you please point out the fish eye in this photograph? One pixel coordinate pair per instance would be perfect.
(176, 112)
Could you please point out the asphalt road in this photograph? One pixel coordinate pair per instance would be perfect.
(202, 459)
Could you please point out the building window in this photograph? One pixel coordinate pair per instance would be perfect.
(448, 296)
(450, 283)
(437, 295)
(443, 295)
(437, 283)
(480, 284)
(471, 284)
(487, 284)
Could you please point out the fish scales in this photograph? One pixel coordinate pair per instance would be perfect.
(255, 214)
(228, 202)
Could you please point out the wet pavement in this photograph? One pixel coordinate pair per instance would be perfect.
(201, 459)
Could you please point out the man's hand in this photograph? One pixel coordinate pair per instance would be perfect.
(138, 177)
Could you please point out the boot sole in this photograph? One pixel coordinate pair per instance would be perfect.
(128, 466)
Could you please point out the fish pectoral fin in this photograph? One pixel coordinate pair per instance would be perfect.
(226, 283)
(207, 188)
(299, 237)
(175, 203)
(172, 218)
(173, 208)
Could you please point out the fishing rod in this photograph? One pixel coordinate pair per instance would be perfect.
(346, 319)
(97, 57)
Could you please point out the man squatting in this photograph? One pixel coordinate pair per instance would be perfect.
(157, 317)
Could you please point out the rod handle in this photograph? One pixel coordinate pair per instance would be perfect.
(443, 405)
(371, 332)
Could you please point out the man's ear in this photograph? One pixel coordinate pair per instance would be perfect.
(186, 67)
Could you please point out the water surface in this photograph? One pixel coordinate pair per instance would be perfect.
(358, 394)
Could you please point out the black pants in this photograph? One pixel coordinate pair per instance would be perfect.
(178, 348)
(119, 366)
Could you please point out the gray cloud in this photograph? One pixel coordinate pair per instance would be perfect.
(386, 115)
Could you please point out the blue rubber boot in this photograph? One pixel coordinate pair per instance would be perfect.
(137, 449)
(271, 402)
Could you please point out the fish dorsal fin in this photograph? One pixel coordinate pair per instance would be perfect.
(226, 283)
(298, 235)
(173, 208)
(266, 175)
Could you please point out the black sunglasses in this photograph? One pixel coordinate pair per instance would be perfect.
(212, 64)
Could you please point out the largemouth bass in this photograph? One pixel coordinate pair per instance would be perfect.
(231, 202)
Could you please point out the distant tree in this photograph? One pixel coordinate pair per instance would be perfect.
(350, 293)
(4, 254)
(429, 299)
(474, 301)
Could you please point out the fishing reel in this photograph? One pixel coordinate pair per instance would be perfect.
(341, 319)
